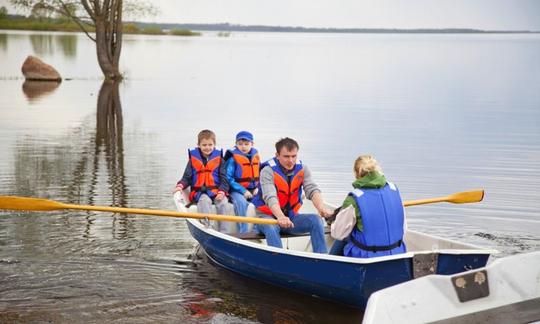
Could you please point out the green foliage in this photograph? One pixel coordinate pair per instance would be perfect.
(39, 24)
(184, 32)
(152, 31)
(224, 34)
(64, 24)
(130, 28)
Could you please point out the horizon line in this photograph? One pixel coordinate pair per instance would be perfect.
(470, 29)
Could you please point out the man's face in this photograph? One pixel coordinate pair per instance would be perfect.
(206, 146)
(287, 158)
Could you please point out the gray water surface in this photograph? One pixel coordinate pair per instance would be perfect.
(441, 113)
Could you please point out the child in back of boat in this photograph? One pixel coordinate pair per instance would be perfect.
(371, 220)
(205, 173)
(243, 164)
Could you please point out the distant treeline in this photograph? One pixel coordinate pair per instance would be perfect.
(23, 23)
(261, 28)
(19, 22)
(134, 27)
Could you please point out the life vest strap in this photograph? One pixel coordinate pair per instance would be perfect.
(204, 188)
(247, 179)
(375, 248)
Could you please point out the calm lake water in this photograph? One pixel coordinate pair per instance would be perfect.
(441, 113)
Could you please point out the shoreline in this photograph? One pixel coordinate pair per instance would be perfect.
(142, 28)
(59, 25)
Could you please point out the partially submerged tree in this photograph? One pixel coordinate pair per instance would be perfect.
(100, 20)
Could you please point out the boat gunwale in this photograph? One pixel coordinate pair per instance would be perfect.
(212, 232)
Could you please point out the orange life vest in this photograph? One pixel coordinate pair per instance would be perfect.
(247, 170)
(289, 189)
(204, 176)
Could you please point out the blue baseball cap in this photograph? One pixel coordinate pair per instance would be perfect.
(245, 135)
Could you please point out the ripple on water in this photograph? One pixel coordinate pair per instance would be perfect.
(90, 290)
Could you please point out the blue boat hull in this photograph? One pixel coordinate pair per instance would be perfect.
(329, 277)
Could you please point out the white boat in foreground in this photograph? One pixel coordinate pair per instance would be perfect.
(505, 291)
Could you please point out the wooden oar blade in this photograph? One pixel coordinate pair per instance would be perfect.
(467, 197)
(25, 203)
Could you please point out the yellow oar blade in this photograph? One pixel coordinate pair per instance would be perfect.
(25, 203)
(36, 204)
(457, 198)
(467, 197)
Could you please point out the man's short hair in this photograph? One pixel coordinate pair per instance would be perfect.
(287, 142)
(206, 134)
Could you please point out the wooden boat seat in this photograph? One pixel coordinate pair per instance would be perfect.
(260, 236)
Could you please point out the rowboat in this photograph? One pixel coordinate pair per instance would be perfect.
(505, 291)
(345, 280)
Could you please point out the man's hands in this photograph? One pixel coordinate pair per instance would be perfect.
(318, 202)
(325, 212)
(284, 222)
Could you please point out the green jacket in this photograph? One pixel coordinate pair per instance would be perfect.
(372, 180)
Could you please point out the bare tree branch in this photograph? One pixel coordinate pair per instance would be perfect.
(88, 9)
(68, 13)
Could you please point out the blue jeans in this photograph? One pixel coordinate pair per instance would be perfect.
(240, 208)
(337, 247)
(303, 223)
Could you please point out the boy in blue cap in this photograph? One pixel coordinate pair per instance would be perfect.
(243, 164)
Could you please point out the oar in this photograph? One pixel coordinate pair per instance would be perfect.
(37, 204)
(457, 198)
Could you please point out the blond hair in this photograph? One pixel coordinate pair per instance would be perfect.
(206, 134)
(365, 164)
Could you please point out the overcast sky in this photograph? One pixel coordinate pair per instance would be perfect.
(478, 14)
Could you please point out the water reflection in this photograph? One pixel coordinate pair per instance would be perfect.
(83, 166)
(211, 292)
(42, 44)
(68, 44)
(3, 41)
(34, 90)
(47, 44)
(109, 140)
(109, 145)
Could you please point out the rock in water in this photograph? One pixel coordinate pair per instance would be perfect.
(36, 70)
